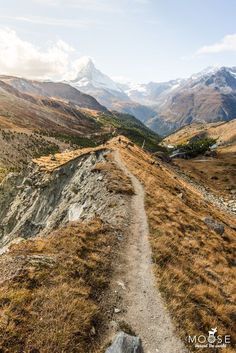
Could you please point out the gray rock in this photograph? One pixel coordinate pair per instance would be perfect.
(37, 202)
(27, 181)
(213, 224)
(124, 343)
(231, 202)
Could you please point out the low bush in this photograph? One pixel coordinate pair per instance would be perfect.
(194, 148)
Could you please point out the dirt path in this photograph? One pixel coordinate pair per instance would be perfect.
(142, 307)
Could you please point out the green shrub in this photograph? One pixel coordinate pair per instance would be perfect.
(194, 148)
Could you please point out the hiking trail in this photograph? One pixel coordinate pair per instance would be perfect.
(142, 306)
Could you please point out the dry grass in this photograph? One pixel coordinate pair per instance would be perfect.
(218, 174)
(194, 265)
(223, 131)
(117, 181)
(49, 163)
(53, 304)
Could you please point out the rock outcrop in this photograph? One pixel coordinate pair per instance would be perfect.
(124, 343)
(213, 224)
(40, 202)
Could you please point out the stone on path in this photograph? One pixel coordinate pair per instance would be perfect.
(124, 343)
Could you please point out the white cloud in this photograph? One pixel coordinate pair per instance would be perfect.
(227, 44)
(87, 5)
(49, 21)
(112, 6)
(21, 58)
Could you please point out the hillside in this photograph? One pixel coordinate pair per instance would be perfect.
(39, 118)
(94, 82)
(83, 263)
(56, 90)
(214, 171)
(208, 96)
(224, 132)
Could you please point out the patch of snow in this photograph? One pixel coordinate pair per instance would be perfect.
(174, 87)
(88, 74)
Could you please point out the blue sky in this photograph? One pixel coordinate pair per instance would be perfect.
(142, 40)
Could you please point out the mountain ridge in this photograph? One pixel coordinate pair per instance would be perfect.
(93, 82)
(38, 118)
(209, 96)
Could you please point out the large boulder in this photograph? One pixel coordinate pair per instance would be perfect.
(213, 224)
(124, 343)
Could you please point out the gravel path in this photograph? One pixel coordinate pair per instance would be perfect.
(142, 307)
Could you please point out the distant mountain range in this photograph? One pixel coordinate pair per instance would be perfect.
(208, 96)
(42, 117)
(92, 81)
(165, 107)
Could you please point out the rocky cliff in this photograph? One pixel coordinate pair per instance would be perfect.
(36, 201)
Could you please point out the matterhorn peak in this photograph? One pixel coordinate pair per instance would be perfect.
(85, 69)
(89, 76)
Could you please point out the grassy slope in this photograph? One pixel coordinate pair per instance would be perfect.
(194, 265)
(135, 130)
(30, 128)
(52, 289)
(223, 131)
(53, 306)
(217, 174)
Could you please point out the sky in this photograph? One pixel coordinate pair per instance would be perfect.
(137, 40)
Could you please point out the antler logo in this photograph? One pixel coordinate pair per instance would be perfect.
(211, 341)
(211, 335)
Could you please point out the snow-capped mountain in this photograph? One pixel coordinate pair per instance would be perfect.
(209, 96)
(92, 81)
(149, 93)
(88, 77)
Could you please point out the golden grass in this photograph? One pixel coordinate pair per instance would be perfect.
(218, 174)
(194, 265)
(117, 181)
(224, 131)
(55, 306)
(49, 163)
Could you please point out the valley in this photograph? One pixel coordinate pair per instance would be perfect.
(216, 169)
(117, 176)
(77, 248)
(41, 118)
(204, 97)
(103, 233)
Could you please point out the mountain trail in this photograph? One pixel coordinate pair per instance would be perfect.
(141, 305)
